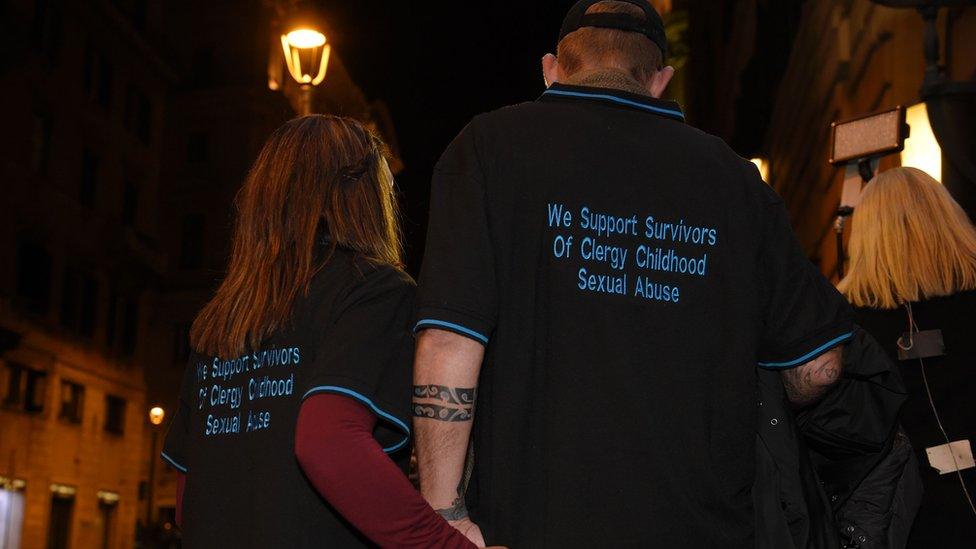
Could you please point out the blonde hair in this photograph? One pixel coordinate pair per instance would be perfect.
(909, 241)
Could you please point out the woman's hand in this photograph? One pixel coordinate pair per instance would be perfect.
(470, 530)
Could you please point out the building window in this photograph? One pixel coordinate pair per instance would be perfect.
(108, 502)
(130, 326)
(130, 202)
(62, 509)
(138, 14)
(25, 388)
(34, 266)
(197, 147)
(41, 144)
(191, 242)
(88, 190)
(11, 511)
(181, 342)
(98, 77)
(114, 414)
(138, 114)
(72, 401)
(135, 10)
(202, 67)
(48, 29)
(104, 91)
(79, 297)
(112, 319)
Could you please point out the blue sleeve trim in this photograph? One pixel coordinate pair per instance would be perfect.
(811, 355)
(369, 403)
(431, 323)
(173, 462)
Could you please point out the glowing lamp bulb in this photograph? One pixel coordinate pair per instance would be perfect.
(156, 415)
(306, 55)
(305, 38)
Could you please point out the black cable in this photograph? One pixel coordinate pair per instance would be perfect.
(840, 254)
(913, 329)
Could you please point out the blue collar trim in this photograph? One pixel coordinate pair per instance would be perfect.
(665, 108)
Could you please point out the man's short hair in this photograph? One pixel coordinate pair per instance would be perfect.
(593, 47)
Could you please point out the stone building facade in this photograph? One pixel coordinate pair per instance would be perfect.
(84, 90)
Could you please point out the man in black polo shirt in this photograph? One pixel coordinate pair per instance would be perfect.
(603, 280)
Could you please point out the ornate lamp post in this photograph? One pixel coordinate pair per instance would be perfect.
(306, 52)
(307, 58)
(156, 417)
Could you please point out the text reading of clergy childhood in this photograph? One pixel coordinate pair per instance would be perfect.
(232, 390)
(639, 256)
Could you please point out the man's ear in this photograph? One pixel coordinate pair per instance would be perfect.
(659, 81)
(550, 69)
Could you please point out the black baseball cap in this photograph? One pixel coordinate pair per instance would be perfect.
(652, 26)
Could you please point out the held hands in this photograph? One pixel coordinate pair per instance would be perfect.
(470, 531)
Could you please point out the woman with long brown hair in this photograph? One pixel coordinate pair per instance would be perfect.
(295, 407)
(912, 282)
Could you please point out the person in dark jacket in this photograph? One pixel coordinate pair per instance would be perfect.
(837, 473)
(912, 281)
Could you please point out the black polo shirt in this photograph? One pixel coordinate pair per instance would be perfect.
(627, 273)
(234, 431)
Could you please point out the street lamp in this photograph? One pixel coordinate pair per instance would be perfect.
(306, 52)
(156, 417)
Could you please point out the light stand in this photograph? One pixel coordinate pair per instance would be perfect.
(864, 171)
(858, 144)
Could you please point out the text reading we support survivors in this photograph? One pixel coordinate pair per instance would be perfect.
(638, 255)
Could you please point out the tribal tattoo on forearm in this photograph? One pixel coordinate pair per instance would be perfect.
(443, 403)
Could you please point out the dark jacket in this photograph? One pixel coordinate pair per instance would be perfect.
(837, 474)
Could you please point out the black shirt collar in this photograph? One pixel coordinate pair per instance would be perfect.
(669, 109)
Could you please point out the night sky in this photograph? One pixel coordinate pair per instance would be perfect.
(437, 64)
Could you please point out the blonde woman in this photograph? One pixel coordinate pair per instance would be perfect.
(913, 262)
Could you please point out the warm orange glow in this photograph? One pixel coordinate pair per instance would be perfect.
(922, 151)
(156, 415)
(763, 166)
(305, 38)
(306, 55)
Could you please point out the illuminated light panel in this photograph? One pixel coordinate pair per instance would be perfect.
(922, 151)
(305, 38)
(763, 166)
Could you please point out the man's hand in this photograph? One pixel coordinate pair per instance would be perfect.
(470, 530)
(809, 382)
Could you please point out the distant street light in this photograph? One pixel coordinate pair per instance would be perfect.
(156, 415)
(306, 52)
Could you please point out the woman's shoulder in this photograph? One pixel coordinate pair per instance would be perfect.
(347, 273)
(956, 308)
(960, 304)
(381, 275)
